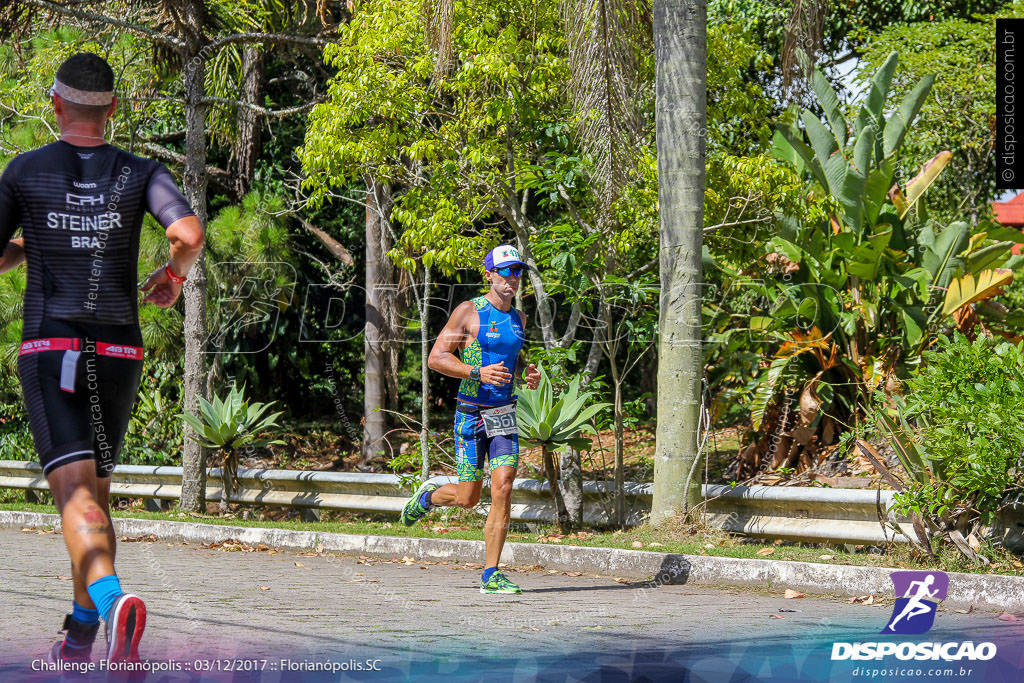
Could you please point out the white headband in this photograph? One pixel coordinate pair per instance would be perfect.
(90, 97)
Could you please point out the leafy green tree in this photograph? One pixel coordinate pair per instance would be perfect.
(960, 114)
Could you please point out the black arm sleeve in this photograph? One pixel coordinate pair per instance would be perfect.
(10, 211)
(163, 198)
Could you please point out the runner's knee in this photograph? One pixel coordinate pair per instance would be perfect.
(501, 490)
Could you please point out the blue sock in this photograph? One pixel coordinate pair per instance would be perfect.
(488, 572)
(74, 639)
(425, 499)
(84, 615)
(104, 592)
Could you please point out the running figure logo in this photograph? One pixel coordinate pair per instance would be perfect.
(914, 613)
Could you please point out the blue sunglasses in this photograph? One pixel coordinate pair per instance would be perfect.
(516, 271)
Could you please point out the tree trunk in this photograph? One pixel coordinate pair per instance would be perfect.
(620, 476)
(250, 123)
(193, 476)
(680, 40)
(561, 514)
(228, 472)
(425, 376)
(572, 485)
(374, 391)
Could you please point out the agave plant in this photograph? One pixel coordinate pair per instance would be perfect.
(554, 422)
(228, 426)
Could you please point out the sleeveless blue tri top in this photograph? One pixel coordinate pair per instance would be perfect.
(499, 338)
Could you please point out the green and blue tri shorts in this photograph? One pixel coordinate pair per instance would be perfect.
(472, 445)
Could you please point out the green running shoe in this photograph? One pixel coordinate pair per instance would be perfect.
(499, 583)
(414, 509)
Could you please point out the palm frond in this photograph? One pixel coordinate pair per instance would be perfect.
(607, 42)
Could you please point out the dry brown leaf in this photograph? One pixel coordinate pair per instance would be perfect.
(264, 588)
(765, 551)
(637, 544)
(790, 594)
(826, 557)
(655, 544)
(776, 616)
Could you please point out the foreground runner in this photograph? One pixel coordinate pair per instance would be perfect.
(489, 334)
(80, 204)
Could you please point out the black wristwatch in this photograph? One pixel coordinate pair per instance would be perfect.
(474, 374)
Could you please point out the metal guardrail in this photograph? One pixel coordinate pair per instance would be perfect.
(792, 513)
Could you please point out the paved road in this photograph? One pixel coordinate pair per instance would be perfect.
(424, 620)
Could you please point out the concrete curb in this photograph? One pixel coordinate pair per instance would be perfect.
(983, 591)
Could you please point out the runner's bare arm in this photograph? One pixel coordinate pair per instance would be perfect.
(443, 356)
(13, 255)
(186, 238)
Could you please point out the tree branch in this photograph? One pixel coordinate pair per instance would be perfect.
(265, 38)
(152, 34)
(220, 177)
(279, 113)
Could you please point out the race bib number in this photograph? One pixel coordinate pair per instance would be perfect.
(500, 421)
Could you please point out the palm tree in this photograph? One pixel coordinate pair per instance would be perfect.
(680, 41)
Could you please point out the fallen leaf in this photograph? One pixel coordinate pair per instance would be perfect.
(709, 546)
(776, 616)
(618, 579)
(63, 578)
(826, 557)
(320, 547)
(972, 541)
(870, 600)
(299, 564)
(963, 611)
(637, 544)
(574, 573)
(655, 544)
(264, 588)
(552, 571)
(765, 551)
(1006, 616)
(793, 594)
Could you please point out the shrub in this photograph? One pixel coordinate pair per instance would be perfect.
(964, 414)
